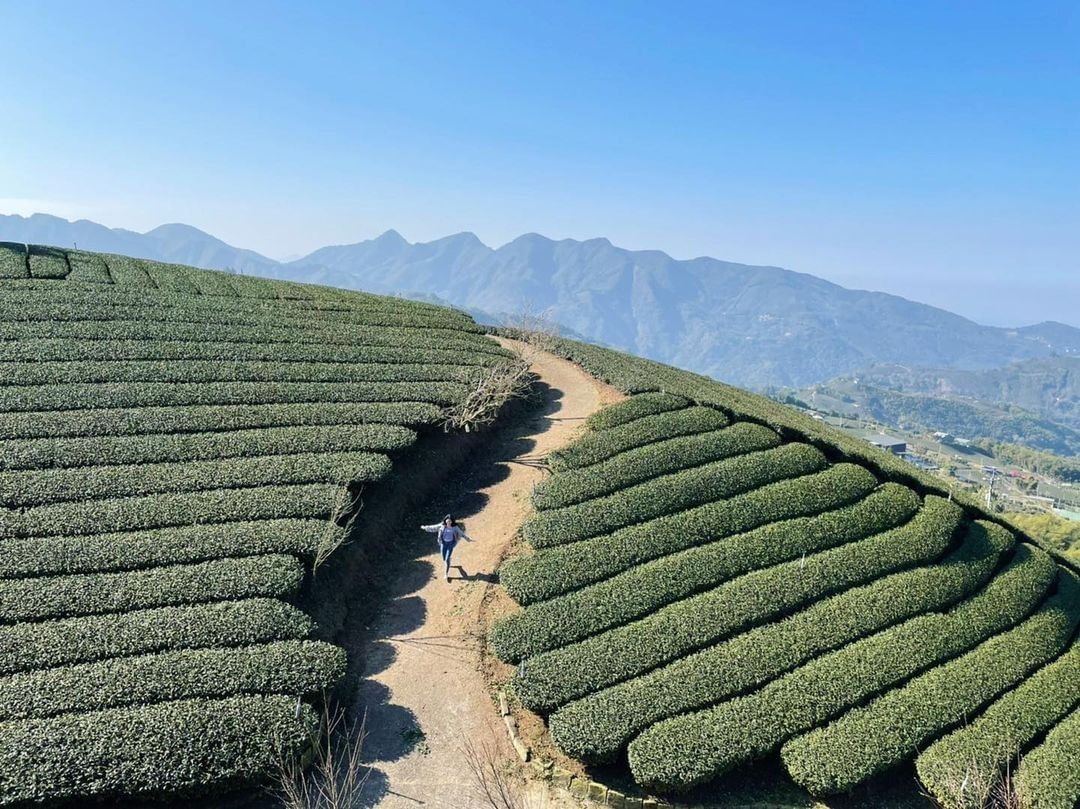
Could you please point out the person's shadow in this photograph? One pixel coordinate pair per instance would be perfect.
(490, 578)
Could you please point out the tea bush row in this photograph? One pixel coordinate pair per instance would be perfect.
(697, 747)
(207, 418)
(13, 261)
(599, 446)
(44, 644)
(554, 571)
(651, 461)
(633, 408)
(598, 726)
(669, 494)
(554, 678)
(291, 667)
(959, 769)
(1048, 777)
(26, 489)
(640, 590)
(871, 739)
(51, 453)
(34, 599)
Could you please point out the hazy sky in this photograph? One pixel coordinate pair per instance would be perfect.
(924, 148)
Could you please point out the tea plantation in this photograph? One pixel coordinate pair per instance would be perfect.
(176, 446)
(715, 579)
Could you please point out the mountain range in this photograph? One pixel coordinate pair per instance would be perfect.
(754, 326)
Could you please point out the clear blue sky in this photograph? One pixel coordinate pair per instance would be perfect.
(925, 148)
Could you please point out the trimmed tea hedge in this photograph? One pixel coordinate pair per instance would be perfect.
(47, 262)
(595, 447)
(694, 748)
(284, 667)
(175, 447)
(1048, 777)
(28, 646)
(177, 394)
(13, 260)
(554, 571)
(651, 461)
(596, 727)
(201, 418)
(960, 769)
(869, 740)
(635, 407)
(85, 594)
(84, 484)
(132, 550)
(225, 743)
(554, 678)
(87, 268)
(671, 493)
(640, 590)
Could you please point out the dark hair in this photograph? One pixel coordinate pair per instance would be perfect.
(448, 517)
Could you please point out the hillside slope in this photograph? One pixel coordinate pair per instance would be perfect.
(177, 445)
(715, 579)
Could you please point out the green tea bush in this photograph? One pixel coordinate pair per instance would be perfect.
(126, 272)
(1048, 777)
(646, 404)
(272, 576)
(959, 769)
(169, 509)
(43, 644)
(651, 461)
(554, 678)
(598, 726)
(694, 748)
(176, 394)
(871, 739)
(50, 453)
(284, 667)
(47, 262)
(225, 743)
(555, 571)
(26, 489)
(186, 544)
(87, 268)
(13, 260)
(643, 589)
(203, 418)
(671, 493)
(599, 446)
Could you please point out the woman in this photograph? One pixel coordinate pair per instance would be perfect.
(449, 533)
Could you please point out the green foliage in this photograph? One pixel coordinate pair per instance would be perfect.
(554, 678)
(13, 260)
(1044, 463)
(186, 544)
(1048, 777)
(173, 394)
(100, 450)
(869, 740)
(647, 404)
(33, 599)
(599, 446)
(669, 494)
(1049, 529)
(39, 645)
(554, 571)
(599, 725)
(697, 747)
(650, 461)
(47, 262)
(200, 418)
(225, 742)
(25, 489)
(960, 768)
(640, 590)
(284, 667)
(87, 268)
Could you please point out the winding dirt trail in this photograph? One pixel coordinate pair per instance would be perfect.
(424, 690)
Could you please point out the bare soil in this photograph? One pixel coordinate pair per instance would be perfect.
(427, 688)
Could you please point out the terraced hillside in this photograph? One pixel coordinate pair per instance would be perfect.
(176, 446)
(716, 580)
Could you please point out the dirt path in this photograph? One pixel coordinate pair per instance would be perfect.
(424, 690)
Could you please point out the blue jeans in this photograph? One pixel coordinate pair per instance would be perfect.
(447, 548)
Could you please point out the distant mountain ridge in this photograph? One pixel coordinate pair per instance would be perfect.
(749, 325)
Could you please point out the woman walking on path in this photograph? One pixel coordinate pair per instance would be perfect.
(448, 533)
